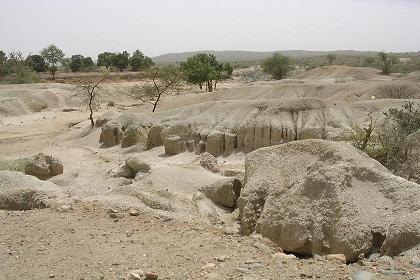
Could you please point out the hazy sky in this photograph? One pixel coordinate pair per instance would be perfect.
(160, 26)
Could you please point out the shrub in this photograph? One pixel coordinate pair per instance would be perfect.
(277, 66)
(397, 91)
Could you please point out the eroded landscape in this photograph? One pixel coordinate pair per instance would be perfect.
(210, 186)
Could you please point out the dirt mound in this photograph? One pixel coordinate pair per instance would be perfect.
(16, 100)
(321, 197)
(24, 192)
(341, 73)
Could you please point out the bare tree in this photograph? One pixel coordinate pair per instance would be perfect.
(299, 116)
(165, 80)
(321, 119)
(89, 93)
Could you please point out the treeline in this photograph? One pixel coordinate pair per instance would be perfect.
(15, 68)
(201, 69)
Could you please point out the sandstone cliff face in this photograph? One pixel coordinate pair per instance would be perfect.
(322, 197)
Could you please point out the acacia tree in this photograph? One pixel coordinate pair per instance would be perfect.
(89, 92)
(277, 66)
(36, 62)
(138, 61)
(204, 69)
(121, 60)
(331, 57)
(387, 62)
(52, 55)
(165, 80)
(105, 59)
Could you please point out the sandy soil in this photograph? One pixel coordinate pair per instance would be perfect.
(86, 243)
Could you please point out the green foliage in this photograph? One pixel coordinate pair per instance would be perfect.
(81, 63)
(140, 62)
(393, 141)
(203, 68)
(387, 62)
(105, 59)
(14, 70)
(52, 55)
(331, 57)
(277, 66)
(36, 62)
(121, 60)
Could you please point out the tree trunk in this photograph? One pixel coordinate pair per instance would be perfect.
(215, 84)
(201, 86)
(91, 109)
(156, 102)
(210, 85)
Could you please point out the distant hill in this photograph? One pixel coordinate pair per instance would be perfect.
(249, 56)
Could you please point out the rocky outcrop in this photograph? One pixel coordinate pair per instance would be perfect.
(43, 166)
(321, 197)
(111, 134)
(179, 138)
(23, 192)
(208, 162)
(133, 165)
(224, 192)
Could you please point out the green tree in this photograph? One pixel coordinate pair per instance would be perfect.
(277, 66)
(65, 64)
(3, 60)
(331, 57)
(138, 61)
(76, 63)
(105, 59)
(87, 63)
(121, 60)
(387, 62)
(204, 69)
(36, 62)
(53, 56)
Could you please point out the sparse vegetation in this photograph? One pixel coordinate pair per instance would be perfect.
(203, 69)
(277, 66)
(89, 92)
(53, 55)
(397, 90)
(331, 57)
(299, 117)
(165, 80)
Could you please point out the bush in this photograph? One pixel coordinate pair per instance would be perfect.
(397, 91)
(277, 66)
(394, 142)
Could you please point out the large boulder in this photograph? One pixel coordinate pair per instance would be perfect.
(174, 145)
(111, 134)
(322, 197)
(24, 192)
(224, 192)
(43, 166)
(132, 166)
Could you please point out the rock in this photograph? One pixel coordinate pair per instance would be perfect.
(133, 212)
(190, 146)
(282, 255)
(415, 261)
(386, 260)
(200, 147)
(392, 272)
(262, 247)
(154, 137)
(336, 257)
(362, 275)
(230, 144)
(136, 275)
(66, 208)
(113, 215)
(43, 166)
(111, 134)
(224, 192)
(222, 258)
(208, 162)
(174, 145)
(373, 257)
(208, 266)
(23, 192)
(214, 144)
(151, 276)
(322, 197)
(137, 165)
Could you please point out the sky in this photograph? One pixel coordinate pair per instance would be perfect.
(156, 27)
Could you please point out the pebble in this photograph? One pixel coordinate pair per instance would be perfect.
(208, 266)
(151, 276)
(281, 255)
(113, 215)
(222, 258)
(133, 212)
(373, 257)
(362, 275)
(262, 247)
(392, 272)
(136, 274)
(336, 257)
(386, 260)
